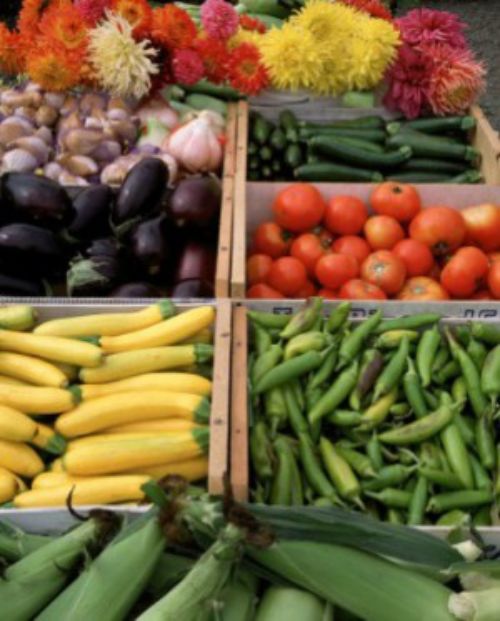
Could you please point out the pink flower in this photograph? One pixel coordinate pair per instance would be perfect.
(187, 66)
(430, 26)
(408, 82)
(92, 11)
(219, 19)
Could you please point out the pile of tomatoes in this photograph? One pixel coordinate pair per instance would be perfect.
(336, 249)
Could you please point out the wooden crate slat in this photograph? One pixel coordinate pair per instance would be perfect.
(487, 142)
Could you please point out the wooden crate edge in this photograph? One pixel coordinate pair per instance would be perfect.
(487, 141)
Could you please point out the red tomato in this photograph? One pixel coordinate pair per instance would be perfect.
(383, 232)
(482, 294)
(494, 280)
(333, 270)
(325, 236)
(398, 200)
(307, 248)
(353, 245)
(415, 255)
(483, 225)
(442, 229)
(358, 289)
(493, 257)
(327, 294)
(384, 269)
(464, 272)
(262, 291)
(422, 289)
(269, 238)
(287, 275)
(307, 291)
(258, 266)
(299, 207)
(345, 215)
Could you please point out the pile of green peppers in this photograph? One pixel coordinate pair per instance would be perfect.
(393, 417)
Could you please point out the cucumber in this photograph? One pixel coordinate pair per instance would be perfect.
(277, 139)
(261, 129)
(288, 123)
(180, 107)
(371, 135)
(361, 144)
(438, 125)
(469, 176)
(269, 20)
(327, 171)
(267, 172)
(431, 165)
(276, 166)
(328, 146)
(419, 177)
(173, 91)
(293, 156)
(266, 154)
(253, 175)
(252, 148)
(254, 163)
(207, 102)
(204, 87)
(364, 122)
(430, 146)
(266, 7)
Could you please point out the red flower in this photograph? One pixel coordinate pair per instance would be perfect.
(215, 58)
(187, 66)
(375, 8)
(138, 13)
(173, 27)
(92, 11)
(246, 72)
(11, 57)
(432, 26)
(252, 24)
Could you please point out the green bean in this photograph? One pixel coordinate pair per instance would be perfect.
(482, 517)
(478, 352)
(429, 455)
(426, 353)
(390, 497)
(352, 343)
(393, 372)
(339, 471)
(358, 461)
(344, 418)
(281, 489)
(388, 476)
(441, 478)
(481, 478)
(454, 518)
(485, 442)
(395, 517)
(457, 455)
(431, 400)
(490, 375)
(304, 319)
(304, 342)
(297, 421)
(338, 317)
(372, 363)
(336, 394)
(418, 503)
(297, 492)
(442, 357)
(269, 320)
(459, 390)
(298, 393)
(288, 370)
(413, 391)
(408, 323)
(313, 395)
(261, 338)
(377, 412)
(486, 332)
(450, 370)
(392, 338)
(326, 369)
(459, 500)
(466, 429)
(265, 362)
(312, 469)
(275, 409)
(420, 430)
(261, 451)
(400, 409)
(374, 452)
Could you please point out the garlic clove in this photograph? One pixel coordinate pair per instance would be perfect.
(66, 178)
(6, 111)
(46, 115)
(35, 145)
(72, 121)
(82, 141)
(54, 100)
(52, 170)
(107, 151)
(19, 160)
(79, 165)
(45, 134)
(91, 122)
(18, 99)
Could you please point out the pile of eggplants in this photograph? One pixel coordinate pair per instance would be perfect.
(143, 240)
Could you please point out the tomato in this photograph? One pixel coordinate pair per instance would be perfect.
(398, 200)
(327, 294)
(287, 275)
(483, 226)
(442, 229)
(415, 255)
(384, 269)
(258, 266)
(482, 294)
(464, 272)
(333, 270)
(345, 215)
(353, 245)
(262, 291)
(307, 248)
(493, 257)
(299, 207)
(494, 280)
(422, 289)
(358, 289)
(383, 232)
(269, 238)
(307, 291)
(325, 236)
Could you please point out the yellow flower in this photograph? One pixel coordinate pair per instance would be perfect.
(327, 22)
(245, 36)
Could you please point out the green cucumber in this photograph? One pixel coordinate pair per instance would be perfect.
(419, 177)
(204, 87)
(423, 145)
(254, 163)
(431, 165)
(360, 144)
(252, 148)
(293, 156)
(437, 125)
(277, 140)
(261, 129)
(207, 102)
(276, 166)
(267, 172)
(364, 122)
(253, 175)
(328, 171)
(469, 176)
(288, 123)
(370, 135)
(328, 146)
(266, 154)
(266, 7)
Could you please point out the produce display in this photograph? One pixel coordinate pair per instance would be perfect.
(395, 247)
(190, 561)
(394, 417)
(98, 405)
(367, 149)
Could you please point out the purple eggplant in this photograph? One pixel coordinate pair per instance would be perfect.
(197, 201)
(150, 245)
(12, 285)
(136, 290)
(142, 191)
(196, 262)
(29, 250)
(108, 246)
(92, 213)
(35, 199)
(193, 288)
(93, 277)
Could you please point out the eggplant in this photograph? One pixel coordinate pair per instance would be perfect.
(92, 212)
(196, 262)
(29, 250)
(150, 245)
(93, 277)
(193, 288)
(107, 246)
(142, 191)
(197, 201)
(136, 290)
(36, 200)
(12, 285)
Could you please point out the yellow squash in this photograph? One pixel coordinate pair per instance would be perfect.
(117, 437)
(191, 469)
(10, 485)
(47, 439)
(5, 379)
(32, 370)
(20, 459)
(16, 426)
(159, 425)
(17, 317)
(35, 399)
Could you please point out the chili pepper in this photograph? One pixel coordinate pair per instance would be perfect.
(497, 477)
(429, 455)
(269, 320)
(441, 478)
(358, 461)
(313, 395)
(288, 370)
(352, 343)
(322, 502)
(463, 334)
(457, 455)
(395, 517)
(378, 411)
(339, 471)
(427, 349)
(459, 500)
(326, 369)
(275, 409)
(392, 338)
(478, 352)
(454, 518)
(418, 503)
(372, 363)
(485, 332)
(304, 319)
(459, 390)
(490, 375)
(450, 370)
(265, 362)
(481, 478)
(297, 492)
(413, 391)
(431, 399)
(315, 431)
(407, 457)
(408, 323)
(281, 489)
(302, 343)
(390, 497)
(400, 409)
(442, 357)
(388, 476)
(443, 460)
(309, 494)
(466, 429)
(420, 430)
(374, 452)
(338, 317)
(261, 451)
(261, 339)
(344, 418)
(297, 422)
(485, 442)
(313, 470)
(338, 391)
(393, 372)
(482, 517)
(298, 393)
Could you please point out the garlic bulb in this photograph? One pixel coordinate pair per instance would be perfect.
(195, 146)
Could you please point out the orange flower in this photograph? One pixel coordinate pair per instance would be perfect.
(138, 13)
(11, 58)
(173, 27)
(65, 25)
(51, 66)
(246, 71)
(29, 17)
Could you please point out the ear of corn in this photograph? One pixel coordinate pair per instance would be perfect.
(476, 605)
(15, 426)
(36, 400)
(15, 543)
(48, 440)
(169, 571)
(20, 459)
(32, 370)
(191, 469)
(239, 598)
(290, 604)
(161, 425)
(17, 317)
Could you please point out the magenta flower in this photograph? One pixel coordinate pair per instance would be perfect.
(187, 66)
(92, 11)
(219, 18)
(430, 26)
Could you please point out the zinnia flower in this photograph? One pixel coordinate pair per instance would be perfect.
(215, 58)
(92, 11)
(457, 79)
(252, 24)
(173, 27)
(65, 25)
(11, 56)
(375, 8)
(122, 65)
(246, 71)
(219, 19)
(409, 82)
(432, 26)
(138, 13)
(187, 66)
(50, 65)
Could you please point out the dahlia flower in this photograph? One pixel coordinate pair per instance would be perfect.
(92, 11)
(65, 25)
(375, 8)
(172, 27)
(138, 13)
(431, 26)
(51, 66)
(11, 57)
(187, 66)
(219, 19)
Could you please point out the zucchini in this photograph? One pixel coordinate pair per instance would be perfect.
(328, 171)
(364, 122)
(207, 102)
(431, 165)
(288, 123)
(293, 156)
(438, 125)
(419, 177)
(361, 144)
(261, 129)
(266, 7)
(266, 154)
(328, 146)
(371, 135)
(469, 176)
(252, 148)
(204, 87)
(277, 139)
(254, 163)
(423, 145)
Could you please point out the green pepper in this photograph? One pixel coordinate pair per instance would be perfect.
(450, 370)
(429, 455)
(304, 319)
(338, 317)
(481, 478)
(408, 323)
(265, 362)
(457, 455)
(485, 442)
(426, 353)
(261, 339)
(388, 476)
(351, 344)
(378, 411)
(482, 517)
(393, 372)
(269, 320)
(275, 409)
(478, 352)
(313, 470)
(454, 518)
(372, 364)
(390, 497)
(281, 489)
(359, 462)
(441, 478)
(326, 369)
(336, 394)
(344, 418)
(420, 430)
(400, 409)
(442, 357)
(261, 451)
(486, 332)
(287, 371)
(413, 391)
(392, 338)
(339, 471)
(297, 421)
(374, 452)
